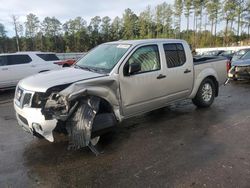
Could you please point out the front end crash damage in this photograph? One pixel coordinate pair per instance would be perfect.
(84, 98)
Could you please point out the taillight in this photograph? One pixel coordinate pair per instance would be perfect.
(228, 65)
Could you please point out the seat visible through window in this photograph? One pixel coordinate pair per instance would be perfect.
(148, 57)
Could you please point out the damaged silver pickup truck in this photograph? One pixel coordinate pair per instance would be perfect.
(115, 81)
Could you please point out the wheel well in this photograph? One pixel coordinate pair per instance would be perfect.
(216, 85)
(105, 107)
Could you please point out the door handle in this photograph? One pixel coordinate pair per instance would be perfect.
(5, 69)
(33, 65)
(161, 76)
(187, 71)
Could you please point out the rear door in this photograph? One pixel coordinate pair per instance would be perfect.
(179, 72)
(14, 68)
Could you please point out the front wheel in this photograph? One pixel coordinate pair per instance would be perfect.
(206, 94)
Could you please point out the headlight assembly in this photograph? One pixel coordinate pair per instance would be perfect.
(38, 99)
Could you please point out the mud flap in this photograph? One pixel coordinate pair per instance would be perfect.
(79, 126)
(227, 81)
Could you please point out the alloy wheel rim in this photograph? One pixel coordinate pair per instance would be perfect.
(207, 92)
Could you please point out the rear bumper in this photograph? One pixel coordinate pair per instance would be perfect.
(32, 121)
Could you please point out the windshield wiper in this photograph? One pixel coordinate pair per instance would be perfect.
(92, 69)
(77, 66)
(85, 68)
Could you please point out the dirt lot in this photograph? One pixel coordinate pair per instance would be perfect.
(178, 146)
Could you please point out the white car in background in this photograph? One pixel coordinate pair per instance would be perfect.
(16, 66)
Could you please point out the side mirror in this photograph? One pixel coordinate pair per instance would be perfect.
(134, 68)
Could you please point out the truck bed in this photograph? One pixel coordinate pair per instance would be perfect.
(216, 63)
(206, 59)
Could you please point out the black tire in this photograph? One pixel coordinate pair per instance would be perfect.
(102, 123)
(202, 99)
(76, 120)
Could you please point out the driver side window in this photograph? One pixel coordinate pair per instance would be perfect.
(148, 57)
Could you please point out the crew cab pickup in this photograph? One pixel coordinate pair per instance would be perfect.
(115, 81)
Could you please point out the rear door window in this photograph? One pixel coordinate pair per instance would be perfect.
(3, 60)
(175, 55)
(48, 57)
(18, 59)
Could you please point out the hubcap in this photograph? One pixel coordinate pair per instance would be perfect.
(207, 92)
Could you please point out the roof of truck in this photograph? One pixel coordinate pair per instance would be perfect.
(144, 41)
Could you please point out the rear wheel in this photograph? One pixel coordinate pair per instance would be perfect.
(206, 94)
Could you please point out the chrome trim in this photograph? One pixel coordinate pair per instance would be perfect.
(19, 103)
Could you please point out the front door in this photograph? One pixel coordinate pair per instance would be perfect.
(142, 91)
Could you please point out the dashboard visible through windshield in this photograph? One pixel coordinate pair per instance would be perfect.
(103, 58)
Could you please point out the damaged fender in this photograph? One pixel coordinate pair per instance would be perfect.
(82, 99)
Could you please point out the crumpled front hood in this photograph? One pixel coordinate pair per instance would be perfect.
(241, 63)
(43, 81)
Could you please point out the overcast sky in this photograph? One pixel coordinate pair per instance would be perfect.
(69, 9)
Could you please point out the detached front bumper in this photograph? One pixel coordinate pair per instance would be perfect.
(32, 121)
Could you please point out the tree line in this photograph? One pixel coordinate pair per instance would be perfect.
(202, 18)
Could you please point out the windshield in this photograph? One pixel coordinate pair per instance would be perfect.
(246, 55)
(239, 54)
(103, 58)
